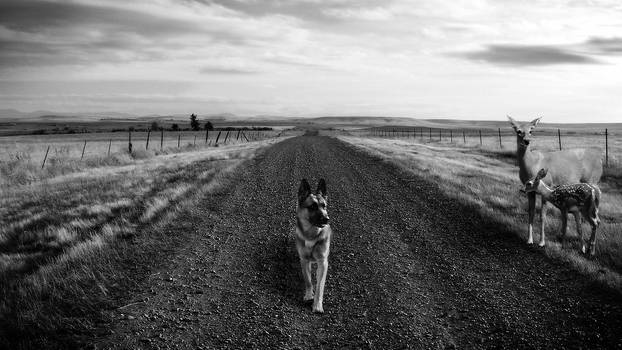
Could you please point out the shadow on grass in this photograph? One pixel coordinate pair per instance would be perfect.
(73, 304)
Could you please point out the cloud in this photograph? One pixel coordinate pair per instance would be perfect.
(310, 10)
(365, 14)
(40, 16)
(527, 55)
(605, 46)
(226, 70)
(35, 33)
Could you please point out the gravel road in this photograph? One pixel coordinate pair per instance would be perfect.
(409, 268)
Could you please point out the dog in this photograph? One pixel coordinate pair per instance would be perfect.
(313, 239)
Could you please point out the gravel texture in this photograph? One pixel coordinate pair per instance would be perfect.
(409, 268)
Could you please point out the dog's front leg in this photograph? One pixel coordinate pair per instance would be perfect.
(306, 276)
(322, 268)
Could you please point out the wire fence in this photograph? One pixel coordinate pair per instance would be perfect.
(547, 139)
(84, 146)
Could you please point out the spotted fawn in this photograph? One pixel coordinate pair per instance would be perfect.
(580, 199)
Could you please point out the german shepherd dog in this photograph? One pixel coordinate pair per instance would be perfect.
(313, 239)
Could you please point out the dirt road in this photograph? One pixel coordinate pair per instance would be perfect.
(409, 268)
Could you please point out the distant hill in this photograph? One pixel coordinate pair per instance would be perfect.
(46, 118)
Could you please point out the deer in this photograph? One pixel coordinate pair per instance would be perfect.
(581, 199)
(580, 165)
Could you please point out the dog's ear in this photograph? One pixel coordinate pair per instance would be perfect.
(321, 188)
(304, 190)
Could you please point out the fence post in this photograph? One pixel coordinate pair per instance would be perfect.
(440, 135)
(178, 139)
(606, 148)
(83, 148)
(129, 141)
(451, 136)
(238, 136)
(46, 157)
(559, 138)
(463, 137)
(148, 136)
(227, 136)
(500, 145)
(217, 137)
(245, 136)
(480, 137)
(109, 144)
(206, 135)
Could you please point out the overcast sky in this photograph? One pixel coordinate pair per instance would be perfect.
(468, 59)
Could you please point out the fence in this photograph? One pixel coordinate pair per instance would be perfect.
(502, 138)
(80, 146)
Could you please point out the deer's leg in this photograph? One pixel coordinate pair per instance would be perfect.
(577, 219)
(531, 210)
(542, 215)
(306, 276)
(592, 244)
(594, 222)
(564, 223)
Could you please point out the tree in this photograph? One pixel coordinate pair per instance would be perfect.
(155, 126)
(194, 123)
(175, 127)
(209, 126)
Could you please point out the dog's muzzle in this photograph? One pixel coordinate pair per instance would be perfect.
(323, 221)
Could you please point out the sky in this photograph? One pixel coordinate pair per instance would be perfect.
(463, 59)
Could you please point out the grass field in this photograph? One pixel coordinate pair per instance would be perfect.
(21, 157)
(62, 236)
(487, 179)
(547, 138)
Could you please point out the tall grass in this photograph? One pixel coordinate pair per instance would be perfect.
(21, 157)
(64, 239)
(487, 180)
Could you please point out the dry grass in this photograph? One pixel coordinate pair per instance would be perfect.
(487, 180)
(61, 238)
(21, 157)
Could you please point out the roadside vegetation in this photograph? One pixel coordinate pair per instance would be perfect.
(487, 179)
(69, 234)
(22, 157)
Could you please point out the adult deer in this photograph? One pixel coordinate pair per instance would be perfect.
(564, 167)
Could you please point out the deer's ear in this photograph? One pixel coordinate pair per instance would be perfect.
(542, 174)
(513, 123)
(534, 122)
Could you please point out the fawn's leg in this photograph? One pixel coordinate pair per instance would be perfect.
(322, 269)
(592, 245)
(531, 210)
(564, 223)
(306, 276)
(542, 214)
(577, 219)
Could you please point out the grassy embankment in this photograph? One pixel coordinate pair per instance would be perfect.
(68, 242)
(487, 179)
